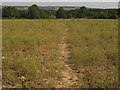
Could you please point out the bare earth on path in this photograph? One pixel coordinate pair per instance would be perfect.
(69, 76)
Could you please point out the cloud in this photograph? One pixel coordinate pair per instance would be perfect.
(59, 1)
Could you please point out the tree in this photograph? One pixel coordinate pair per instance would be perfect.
(10, 12)
(112, 16)
(61, 13)
(82, 13)
(118, 12)
(112, 13)
(44, 13)
(33, 12)
(47, 14)
(68, 14)
(102, 15)
(23, 14)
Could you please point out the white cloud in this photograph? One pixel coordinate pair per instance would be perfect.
(59, 0)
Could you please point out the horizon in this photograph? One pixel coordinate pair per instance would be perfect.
(65, 4)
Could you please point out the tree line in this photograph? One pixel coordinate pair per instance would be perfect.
(34, 12)
(84, 12)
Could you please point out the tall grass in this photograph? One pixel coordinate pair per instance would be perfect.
(30, 51)
(94, 51)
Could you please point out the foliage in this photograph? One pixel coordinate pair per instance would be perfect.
(94, 51)
(61, 13)
(34, 12)
(10, 12)
(30, 50)
(84, 12)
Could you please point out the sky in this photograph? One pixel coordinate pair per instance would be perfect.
(60, 0)
(87, 3)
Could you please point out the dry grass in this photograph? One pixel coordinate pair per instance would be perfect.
(94, 51)
(30, 49)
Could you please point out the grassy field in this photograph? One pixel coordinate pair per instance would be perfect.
(30, 52)
(94, 51)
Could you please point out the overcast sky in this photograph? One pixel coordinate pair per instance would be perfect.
(59, 0)
(87, 3)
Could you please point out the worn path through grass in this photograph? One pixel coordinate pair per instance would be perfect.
(59, 53)
(69, 77)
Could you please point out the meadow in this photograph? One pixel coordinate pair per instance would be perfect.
(30, 51)
(94, 52)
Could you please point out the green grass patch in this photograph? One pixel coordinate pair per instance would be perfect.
(94, 47)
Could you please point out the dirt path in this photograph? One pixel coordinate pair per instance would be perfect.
(69, 76)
